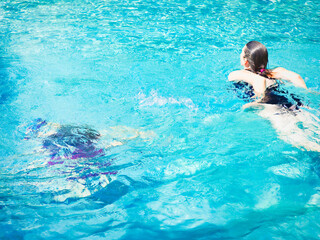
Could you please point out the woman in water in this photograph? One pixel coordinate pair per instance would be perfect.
(277, 105)
(254, 59)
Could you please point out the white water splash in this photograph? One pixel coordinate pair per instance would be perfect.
(269, 197)
(291, 170)
(155, 99)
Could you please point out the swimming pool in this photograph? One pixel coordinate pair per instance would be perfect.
(206, 170)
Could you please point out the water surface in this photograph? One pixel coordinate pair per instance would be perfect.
(209, 170)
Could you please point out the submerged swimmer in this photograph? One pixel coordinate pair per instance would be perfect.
(73, 142)
(77, 151)
(264, 89)
(67, 142)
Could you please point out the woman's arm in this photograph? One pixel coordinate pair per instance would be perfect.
(282, 73)
(257, 82)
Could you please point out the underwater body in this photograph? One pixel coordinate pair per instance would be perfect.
(118, 122)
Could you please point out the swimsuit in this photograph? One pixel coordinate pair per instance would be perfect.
(273, 94)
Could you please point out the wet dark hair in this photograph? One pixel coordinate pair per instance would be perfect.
(257, 55)
(73, 142)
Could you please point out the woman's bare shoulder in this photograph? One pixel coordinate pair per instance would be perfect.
(278, 70)
(238, 75)
(282, 73)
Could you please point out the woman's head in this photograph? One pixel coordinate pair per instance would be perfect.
(254, 56)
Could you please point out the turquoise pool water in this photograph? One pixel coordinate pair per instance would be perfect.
(180, 159)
